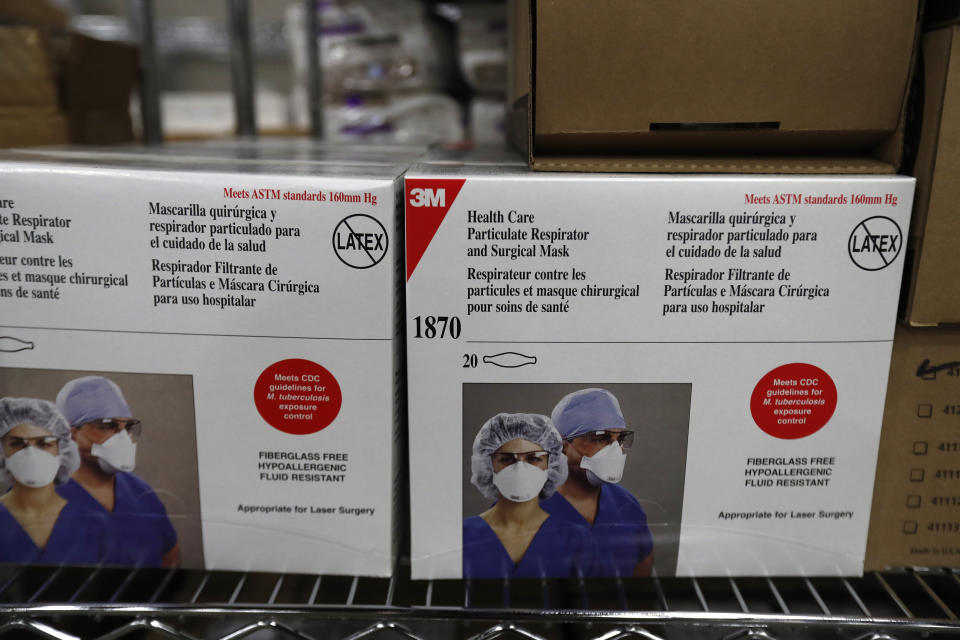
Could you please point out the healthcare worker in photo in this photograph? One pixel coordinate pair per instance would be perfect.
(36, 524)
(517, 459)
(106, 434)
(596, 441)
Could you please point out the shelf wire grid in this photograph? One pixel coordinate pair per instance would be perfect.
(72, 603)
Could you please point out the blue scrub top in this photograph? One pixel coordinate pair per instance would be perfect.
(553, 552)
(78, 537)
(139, 520)
(620, 535)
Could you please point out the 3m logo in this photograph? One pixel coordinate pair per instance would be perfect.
(428, 198)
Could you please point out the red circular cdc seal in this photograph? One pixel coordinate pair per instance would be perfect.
(297, 396)
(793, 401)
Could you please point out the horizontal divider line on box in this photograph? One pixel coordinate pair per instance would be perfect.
(675, 341)
(185, 333)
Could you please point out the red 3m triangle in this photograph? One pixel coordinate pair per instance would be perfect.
(426, 203)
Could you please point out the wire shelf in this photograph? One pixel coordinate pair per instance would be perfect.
(106, 603)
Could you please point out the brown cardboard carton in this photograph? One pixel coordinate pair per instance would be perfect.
(46, 127)
(25, 70)
(60, 87)
(34, 13)
(725, 86)
(916, 504)
(934, 285)
(97, 78)
(940, 13)
(28, 100)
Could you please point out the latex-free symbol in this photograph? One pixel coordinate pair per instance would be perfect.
(875, 243)
(360, 241)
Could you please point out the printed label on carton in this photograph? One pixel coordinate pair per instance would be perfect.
(214, 353)
(916, 505)
(711, 353)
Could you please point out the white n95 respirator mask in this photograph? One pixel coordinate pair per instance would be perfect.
(117, 453)
(32, 467)
(605, 466)
(520, 481)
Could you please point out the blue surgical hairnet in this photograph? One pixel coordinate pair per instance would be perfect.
(92, 398)
(587, 410)
(43, 414)
(504, 427)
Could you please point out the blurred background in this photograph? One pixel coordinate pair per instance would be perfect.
(392, 70)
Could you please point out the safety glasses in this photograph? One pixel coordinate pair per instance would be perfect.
(13, 444)
(536, 458)
(107, 427)
(602, 437)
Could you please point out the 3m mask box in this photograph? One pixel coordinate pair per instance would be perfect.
(616, 375)
(208, 348)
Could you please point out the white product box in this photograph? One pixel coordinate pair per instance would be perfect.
(248, 313)
(743, 323)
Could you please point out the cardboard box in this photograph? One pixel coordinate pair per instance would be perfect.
(64, 87)
(747, 344)
(97, 79)
(939, 13)
(933, 290)
(34, 13)
(729, 86)
(916, 500)
(249, 312)
(89, 80)
(28, 104)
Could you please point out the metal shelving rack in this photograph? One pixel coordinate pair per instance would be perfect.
(141, 14)
(66, 603)
(71, 603)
